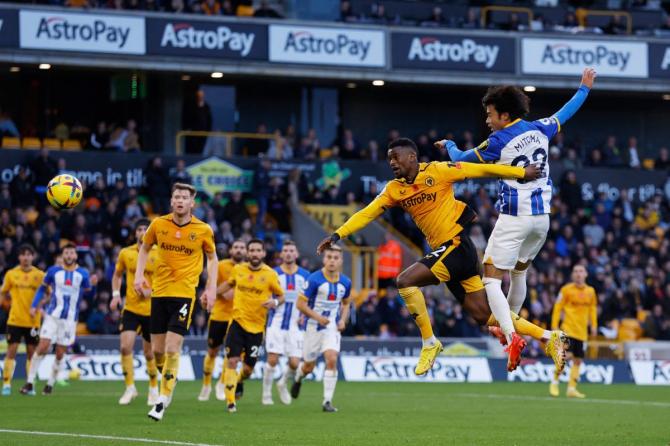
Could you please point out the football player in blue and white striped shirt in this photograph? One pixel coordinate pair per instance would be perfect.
(68, 284)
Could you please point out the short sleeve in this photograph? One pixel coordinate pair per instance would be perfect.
(7, 283)
(347, 290)
(311, 287)
(208, 240)
(150, 236)
(548, 126)
(274, 284)
(490, 150)
(121, 262)
(233, 273)
(85, 280)
(49, 277)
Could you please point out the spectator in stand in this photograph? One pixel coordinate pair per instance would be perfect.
(235, 211)
(633, 157)
(595, 159)
(611, 153)
(179, 173)
(616, 26)
(570, 20)
(389, 261)
(44, 168)
(99, 138)
(377, 14)
(278, 204)
(512, 24)
(117, 138)
(663, 160)
(279, 147)
(227, 8)
(571, 191)
(262, 189)
(373, 152)
(367, 319)
(7, 126)
(471, 20)
(347, 12)
(264, 10)
(158, 186)
(211, 7)
(177, 6)
(436, 18)
(198, 119)
(131, 143)
(256, 147)
(21, 189)
(571, 161)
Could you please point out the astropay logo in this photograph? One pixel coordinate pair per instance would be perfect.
(82, 32)
(432, 49)
(332, 46)
(562, 53)
(186, 35)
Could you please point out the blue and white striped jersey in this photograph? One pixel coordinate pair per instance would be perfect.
(286, 316)
(67, 287)
(325, 297)
(520, 144)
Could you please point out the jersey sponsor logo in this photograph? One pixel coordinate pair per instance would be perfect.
(538, 371)
(432, 49)
(419, 199)
(186, 35)
(176, 248)
(249, 289)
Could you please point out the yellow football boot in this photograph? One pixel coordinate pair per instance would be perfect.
(553, 389)
(555, 349)
(574, 393)
(427, 358)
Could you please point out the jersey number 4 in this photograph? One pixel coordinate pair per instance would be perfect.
(183, 311)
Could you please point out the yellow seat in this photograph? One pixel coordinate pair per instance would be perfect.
(31, 143)
(648, 163)
(325, 153)
(9, 142)
(245, 11)
(71, 144)
(629, 330)
(51, 143)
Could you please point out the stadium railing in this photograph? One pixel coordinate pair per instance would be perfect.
(488, 11)
(227, 137)
(584, 14)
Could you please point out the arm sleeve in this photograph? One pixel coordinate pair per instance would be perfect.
(208, 240)
(488, 151)
(310, 289)
(121, 262)
(593, 313)
(347, 291)
(150, 236)
(558, 308)
(231, 278)
(276, 289)
(460, 171)
(6, 284)
(456, 154)
(39, 295)
(570, 108)
(363, 217)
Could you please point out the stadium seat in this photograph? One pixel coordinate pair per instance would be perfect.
(245, 11)
(71, 144)
(31, 143)
(629, 330)
(51, 143)
(9, 142)
(648, 163)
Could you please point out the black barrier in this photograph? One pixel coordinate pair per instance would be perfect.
(214, 174)
(659, 60)
(186, 37)
(450, 52)
(9, 28)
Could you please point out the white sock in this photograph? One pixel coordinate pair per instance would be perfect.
(329, 383)
(517, 290)
(34, 366)
(299, 374)
(268, 376)
(499, 306)
(546, 335)
(54, 372)
(288, 375)
(429, 341)
(554, 380)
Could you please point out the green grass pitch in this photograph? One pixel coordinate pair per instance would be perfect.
(370, 414)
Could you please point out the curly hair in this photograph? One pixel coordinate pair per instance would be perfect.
(507, 99)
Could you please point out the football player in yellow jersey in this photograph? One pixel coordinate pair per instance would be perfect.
(254, 283)
(578, 302)
(19, 286)
(135, 317)
(181, 239)
(425, 191)
(219, 319)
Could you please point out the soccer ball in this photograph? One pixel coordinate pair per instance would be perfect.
(64, 192)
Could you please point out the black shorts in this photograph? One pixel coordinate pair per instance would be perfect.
(239, 341)
(576, 347)
(30, 335)
(216, 333)
(134, 322)
(171, 314)
(457, 265)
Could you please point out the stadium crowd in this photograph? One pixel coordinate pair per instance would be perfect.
(623, 243)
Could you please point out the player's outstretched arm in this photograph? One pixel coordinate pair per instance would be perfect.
(570, 108)
(471, 170)
(456, 155)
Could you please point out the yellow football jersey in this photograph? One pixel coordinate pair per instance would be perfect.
(127, 262)
(429, 199)
(579, 307)
(252, 288)
(22, 287)
(180, 255)
(223, 308)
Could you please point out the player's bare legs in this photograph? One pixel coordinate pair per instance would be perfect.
(409, 282)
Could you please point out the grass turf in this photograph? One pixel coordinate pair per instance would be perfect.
(370, 414)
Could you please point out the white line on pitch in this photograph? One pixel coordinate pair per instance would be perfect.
(550, 398)
(104, 437)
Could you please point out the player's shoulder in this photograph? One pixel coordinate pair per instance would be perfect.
(54, 269)
(269, 270)
(83, 271)
(127, 249)
(200, 225)
(345, 280)
(226, 262)
(303, 272)
(316, 277)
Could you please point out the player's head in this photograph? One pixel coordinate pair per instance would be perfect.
(26, 255)
(255, 252)
(332, 259)
(140, 228)
(289, 252)
(183, 199)
(579, 274)
(403, 157)
(503, 105)
(69, 254)
(238, 251)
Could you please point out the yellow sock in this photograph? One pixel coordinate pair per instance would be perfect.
(152, 371)
(230, 381)
(524, 327)
(222, 379)
(574, 376)
(416, 305)
(8, 371)
(556, 375)
(169, 374)
(128, 370)
(207, 369)
(160, 361)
